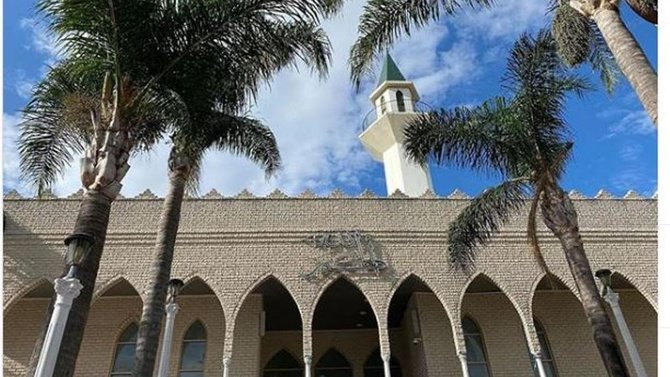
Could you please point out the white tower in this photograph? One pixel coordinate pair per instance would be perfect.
(395, 102)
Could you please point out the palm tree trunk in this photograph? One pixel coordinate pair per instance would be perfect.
(152, 313)
(560, 216)
(630, 58)
(93, 219)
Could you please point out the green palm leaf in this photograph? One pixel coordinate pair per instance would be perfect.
(482, 218)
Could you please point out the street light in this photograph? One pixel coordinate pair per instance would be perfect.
(612, 299)
(79, 246)
(171, 309)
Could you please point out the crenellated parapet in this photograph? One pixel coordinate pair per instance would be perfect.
(337, 193)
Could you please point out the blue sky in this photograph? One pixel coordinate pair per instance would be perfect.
(457, 61)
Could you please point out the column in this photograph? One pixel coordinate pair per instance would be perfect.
(386, 358)
(537, 357)
(226, 366)
(308, 365)
(612, 298)
(463, 357)
(171, 310)
(67, 289)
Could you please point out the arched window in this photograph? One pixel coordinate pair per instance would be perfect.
(476, 350)
(400, 98)
(282, 364)
(193, 351)
(374, 366)
(333, 364)
(382, 105)
(124, 357)
(547, 357)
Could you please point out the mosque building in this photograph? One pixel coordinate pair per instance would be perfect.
(338, 286)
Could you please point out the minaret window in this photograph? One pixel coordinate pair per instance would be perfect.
(382, 105)
(400, 98)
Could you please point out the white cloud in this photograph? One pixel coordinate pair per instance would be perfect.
(41, 39)
(10, 154)
(24, 86)
(630, 122)
(630, 152)
(317, 122)
(631, 177)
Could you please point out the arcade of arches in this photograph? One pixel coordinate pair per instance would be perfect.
(269, 334)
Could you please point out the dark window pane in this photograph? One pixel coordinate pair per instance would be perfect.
(475, 348)
(284, 373)
(401, 101)
(283, 360)
(196, 332)
(335, 373)
(333, 359)
(478, 370)
(549, 368)
(129, 335)
(191, 374)
(469, 326)
(125, 358)
(193, 356)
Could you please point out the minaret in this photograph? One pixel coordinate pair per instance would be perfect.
(395, 102)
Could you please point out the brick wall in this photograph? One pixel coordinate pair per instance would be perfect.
(234, 244)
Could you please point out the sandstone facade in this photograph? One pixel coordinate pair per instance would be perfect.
(230, 250)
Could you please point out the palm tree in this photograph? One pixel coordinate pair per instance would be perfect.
(577, 24)
(594, 33)
(135, 52)
(523, 138)
(215, 123)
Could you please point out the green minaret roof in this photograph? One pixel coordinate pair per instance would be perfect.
(390, 71)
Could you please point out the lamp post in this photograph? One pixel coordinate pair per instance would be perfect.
(612, 299)
(171, 309)
(67, 288)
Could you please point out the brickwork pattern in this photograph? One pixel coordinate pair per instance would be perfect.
(234, 244)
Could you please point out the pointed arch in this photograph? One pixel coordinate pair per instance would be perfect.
(545, 349)
(483, 283)
(38, 286)
(333, 361)
(478, 296)
(412, 275)
(621, 280)
(477, 356)
(283, 363)
(374, 365)
(325, 287)
(344, 282)
(124, 352)
(258, 282)
(193, 350)
(116, 286)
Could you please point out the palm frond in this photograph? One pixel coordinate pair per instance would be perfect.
(239, 135)
(481, 138)
(602, 60)
(481, 219)
(541, 83)
(384, 21)
(56, 124)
